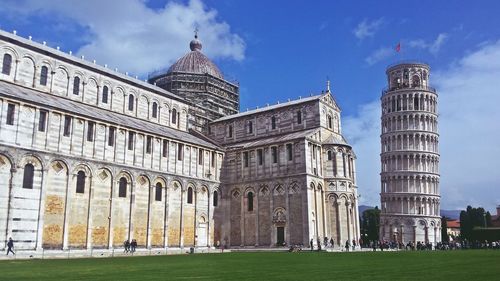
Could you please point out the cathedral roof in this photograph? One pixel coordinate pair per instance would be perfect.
(275, 139)
(336, 139)
(270, 107)
(195, 62)
(57, 102)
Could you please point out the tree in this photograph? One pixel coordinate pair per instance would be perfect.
(473, 217)
(444, 230)
(370, 223)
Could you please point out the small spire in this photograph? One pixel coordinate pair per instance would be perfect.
(327, 85)
(195, 44)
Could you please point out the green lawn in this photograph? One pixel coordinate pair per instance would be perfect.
(469, 265)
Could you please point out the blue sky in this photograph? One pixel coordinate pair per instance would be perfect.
(284, 49)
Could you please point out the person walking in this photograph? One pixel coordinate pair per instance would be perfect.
(347, 245)
(133, 245)
(312, 244)
(10, 246)
(126, 245)
(332, 242)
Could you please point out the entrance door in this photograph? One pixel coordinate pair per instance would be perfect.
(280, 234)
(202, 235)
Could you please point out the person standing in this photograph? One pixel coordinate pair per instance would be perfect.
(347, 245)
(312, 244)
(332, 243)
(10, 246)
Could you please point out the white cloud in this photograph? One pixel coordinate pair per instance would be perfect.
(367, 28)
(469, 127)
(433, 47)
(362, 131)
(379, 55)
(133, 37)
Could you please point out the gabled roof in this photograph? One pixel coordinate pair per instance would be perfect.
(271, 107)
(274, 139)
(62, 104)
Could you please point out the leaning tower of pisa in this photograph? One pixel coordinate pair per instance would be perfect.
(410, 157)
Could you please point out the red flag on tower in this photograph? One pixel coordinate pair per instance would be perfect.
(398, 47)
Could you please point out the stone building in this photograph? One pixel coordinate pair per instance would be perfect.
(288, 175)
(410, 156)
(90, 157)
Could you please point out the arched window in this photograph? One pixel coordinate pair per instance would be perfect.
(415, 81)
(80, 182)
(230, 131)
(190, 195)
(250, 201)
(329, 153)
(29, 173)
(299, 117)
(250, 127)
(334, 158)
(122, 188)
(273, 122)
(216, 199)
(130, 102)
(7, 64)
(415, 103)
(155, 110)
(158, 192)
(105, 91)
(174, 116)
(44, 73)
(76, 86)
(330, 123)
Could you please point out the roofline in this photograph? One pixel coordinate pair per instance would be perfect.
(162, 73)
(407, 62)
(100, 119)
(270, 107)
(43, 49)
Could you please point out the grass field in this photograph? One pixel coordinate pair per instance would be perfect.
(451, 265)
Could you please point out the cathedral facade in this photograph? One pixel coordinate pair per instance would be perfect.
(90, 157)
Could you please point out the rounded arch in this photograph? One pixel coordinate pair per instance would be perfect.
(58, 164)
(202, 218)
(119, 89)
(176, 184)
(312, 185)
(125, 174)
(103, 173)
(6, 159)
(13, 52)
(143, 180)
(249, 189)
(79, 73)
(82, 167)
(160, 179)
(31, 158)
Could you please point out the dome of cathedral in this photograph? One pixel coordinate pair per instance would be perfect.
(195, 62)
